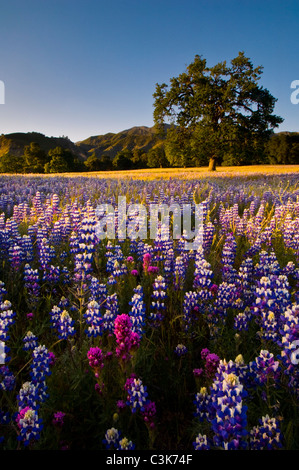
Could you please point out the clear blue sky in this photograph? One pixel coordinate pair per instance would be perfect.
(82, 68)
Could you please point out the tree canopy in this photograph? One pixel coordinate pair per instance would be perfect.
(215, 112)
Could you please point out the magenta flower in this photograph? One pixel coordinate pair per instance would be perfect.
(96, 358)
(58, 419)
(153, 269)
(146, 261)
(127, 340)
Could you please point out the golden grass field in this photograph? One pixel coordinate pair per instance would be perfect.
(193, 173)
(181, 173)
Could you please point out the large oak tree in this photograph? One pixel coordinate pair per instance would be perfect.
(215, 111)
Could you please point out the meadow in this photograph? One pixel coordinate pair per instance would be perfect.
(140, 344)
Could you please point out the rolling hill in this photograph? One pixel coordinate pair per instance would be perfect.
(14, 143)
(138, 137)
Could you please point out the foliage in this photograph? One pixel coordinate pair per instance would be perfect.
(218, 110)
(283, 149)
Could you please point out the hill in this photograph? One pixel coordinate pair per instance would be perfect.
(139, 137)
(14, 143)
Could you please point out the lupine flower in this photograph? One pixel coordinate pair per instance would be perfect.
(7, 319)
(228, 259)
(125, 444)
(40, 369)
(28, 396)
(137, 312)
(94, 319)
(31, 279)
(266, 436)
(111, 312)
(98, 291)
(229, 413)
(288, 341)
(16, 256)
(7, 379)
(190, 309)
(137, 394)
(202, 403)
(158, 302)
(201, 442)
(55, 316)
(30, 341)
(3, 291)
(242, 320)
(111, 438)
(29, 424)
(179, 273)
(202, 277)
(65, 325)
(264, 367)
(180, 350)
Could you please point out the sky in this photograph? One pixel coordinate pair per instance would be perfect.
(82, 68)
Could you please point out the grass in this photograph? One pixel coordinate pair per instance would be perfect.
(183, 173)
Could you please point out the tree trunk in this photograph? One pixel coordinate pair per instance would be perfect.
(212, 164)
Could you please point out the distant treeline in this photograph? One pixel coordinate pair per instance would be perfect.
(281, 149)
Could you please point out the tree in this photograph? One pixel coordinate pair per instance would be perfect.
(61, 160)
(11, 164)
(156, 158)
(93, 163)
(214, 111)
(35, 158)
(283, 148)
(122, 160)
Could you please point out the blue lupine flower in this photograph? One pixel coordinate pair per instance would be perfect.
(180, 350)
(202, 404)
(30, 425)
(264, 367)
(111, 311)
(65, 325)
(201, 443)
(30, 341)
(7, 319)
(137, 312)
(111, 438)
(7, 379)
(288, 341)
(28, 396)
(229, 413)
(137, 395)
(179, 273)
(93, 317)
(158, 301)
(266, 436)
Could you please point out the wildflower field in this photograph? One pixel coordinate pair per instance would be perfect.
(139, 343)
